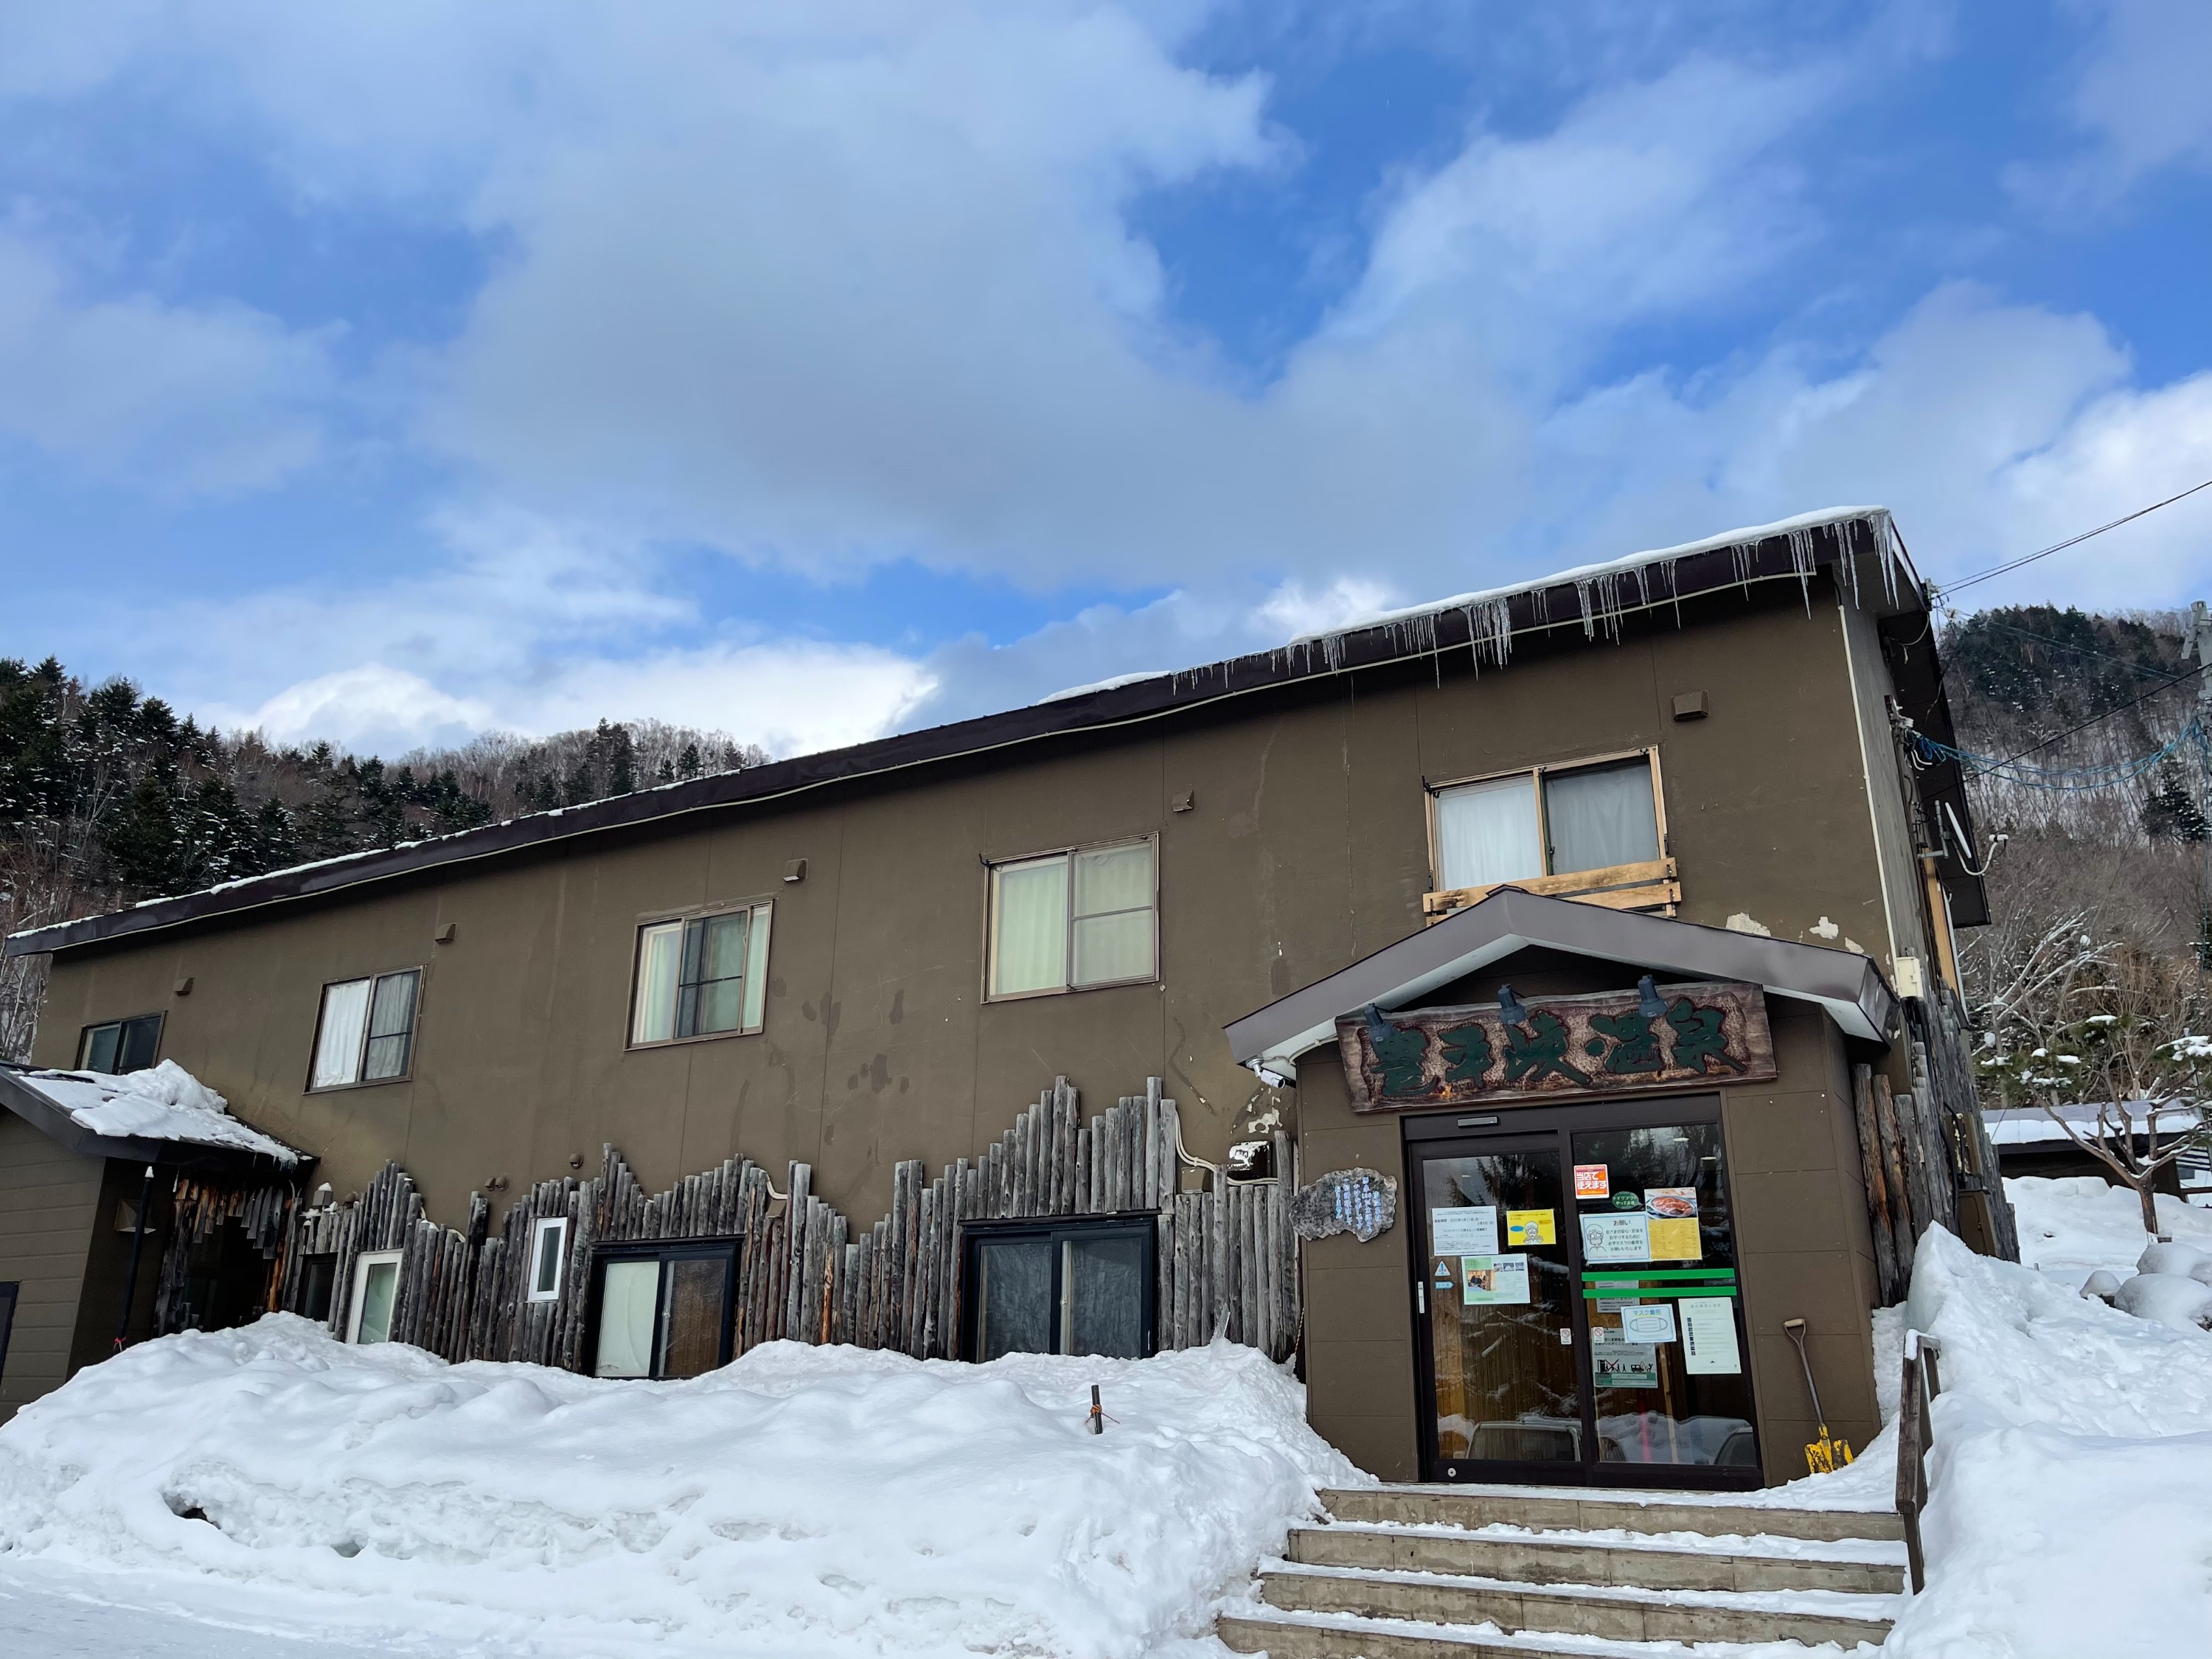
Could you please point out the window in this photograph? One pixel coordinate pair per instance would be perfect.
(318, 1278)
(700, 977)
(1077, 1288)
(1549, 822)
(367, 1032)
(664, 1311)
(120, 1045)
(375, 1289)
(548, 1248)
(1066, 921)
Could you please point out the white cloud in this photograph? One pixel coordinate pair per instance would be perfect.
(212, 399)
(365, 708)
(2140, 98)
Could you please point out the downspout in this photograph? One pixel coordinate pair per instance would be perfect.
(137, 1244)
(1866, 776)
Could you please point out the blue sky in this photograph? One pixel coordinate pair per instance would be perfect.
(388, 372)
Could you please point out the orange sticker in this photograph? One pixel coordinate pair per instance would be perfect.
(1592, 1181)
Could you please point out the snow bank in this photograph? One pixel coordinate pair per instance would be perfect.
(2073, 1452)
(2072, 1226)
(802, 1500)
(163, 1102)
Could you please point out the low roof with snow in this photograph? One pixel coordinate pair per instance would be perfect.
(162, 1116)
(2032, 1126)
(1591, 601)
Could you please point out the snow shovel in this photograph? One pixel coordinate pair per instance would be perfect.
(1822, 1457)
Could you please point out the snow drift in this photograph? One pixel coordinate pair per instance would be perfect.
(801, 1500)
(2073, 1450)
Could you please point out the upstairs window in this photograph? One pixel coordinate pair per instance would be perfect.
(367, 1032)
(119, 1045)
(1547, 822)
(700, 977)
(1071, 920)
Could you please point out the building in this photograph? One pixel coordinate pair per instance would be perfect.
(1175, 1005)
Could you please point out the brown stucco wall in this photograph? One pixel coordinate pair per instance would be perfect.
(49, 1204)
(1803, 1246)
(1306, 848)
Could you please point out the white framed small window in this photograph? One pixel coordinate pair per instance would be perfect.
(701, 976)
(549, 1252)
(375, 1293)
(366, 1030)
(1074, 919)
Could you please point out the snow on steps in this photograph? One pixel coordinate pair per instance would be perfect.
(1459, 1572)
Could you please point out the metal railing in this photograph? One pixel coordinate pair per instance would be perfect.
(1915, 1432)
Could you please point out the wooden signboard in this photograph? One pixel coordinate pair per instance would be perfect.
(1655, 1037)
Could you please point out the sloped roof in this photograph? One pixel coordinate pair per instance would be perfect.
(1593, 600)
(162, 1116)
(1846, 984)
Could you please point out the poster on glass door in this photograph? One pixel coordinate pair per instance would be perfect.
(1494, 1280)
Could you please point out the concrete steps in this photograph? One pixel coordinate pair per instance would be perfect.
(1450, 1572)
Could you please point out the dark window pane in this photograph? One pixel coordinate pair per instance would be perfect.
(101, 1043)
(1013, 1297)
(712, 996)
(1600, 815)
(141, 1037)
(1105, 1280)
(318, 1278)
(391, 1028)
(692, 1316)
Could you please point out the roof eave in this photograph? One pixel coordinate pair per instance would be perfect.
(1847, 986)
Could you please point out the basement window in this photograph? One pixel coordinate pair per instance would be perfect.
(375, 1293)
(549, 1250)
(1594, 828)
(701, 976)
(366, 1033)
(1075, 1288)
(119, 1045)
(1074, 919)
(663, 1311)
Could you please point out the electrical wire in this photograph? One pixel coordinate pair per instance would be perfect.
(2072, 541)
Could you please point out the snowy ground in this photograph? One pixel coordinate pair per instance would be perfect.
(802, 1501)
(805, 1501)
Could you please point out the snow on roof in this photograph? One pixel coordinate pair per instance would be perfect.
(166, 1103)
(1112, 684)
(2031, 1126)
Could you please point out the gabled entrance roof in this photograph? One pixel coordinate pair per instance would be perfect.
(1848, 985)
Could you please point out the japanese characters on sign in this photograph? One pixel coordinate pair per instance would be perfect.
(1656, 1036)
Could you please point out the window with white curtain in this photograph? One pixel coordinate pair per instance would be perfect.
(366, 1033)
(701, 976)
(1548, 821)
(1072, 920)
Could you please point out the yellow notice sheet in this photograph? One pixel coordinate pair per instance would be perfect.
(1675, 1240)
(1526, 1227)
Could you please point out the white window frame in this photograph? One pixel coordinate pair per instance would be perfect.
(1536, 774)
(558, 1226)
(362, 1264)
(368, 1023)
(755, 992)
(991, 873)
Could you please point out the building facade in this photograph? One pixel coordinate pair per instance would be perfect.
(627, 1087)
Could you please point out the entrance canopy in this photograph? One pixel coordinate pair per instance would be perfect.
(1848, 985)
(161, 1116)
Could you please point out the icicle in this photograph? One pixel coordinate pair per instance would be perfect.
(1802, 561)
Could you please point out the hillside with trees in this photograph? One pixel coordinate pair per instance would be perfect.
(108, 797)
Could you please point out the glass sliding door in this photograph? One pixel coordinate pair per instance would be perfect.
(1579, 1314)
(1498, 1302)
(664, 1310)
(1659, 1281)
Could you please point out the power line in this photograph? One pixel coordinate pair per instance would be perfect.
(2094, 718)
(2072, 541)
(1985, 620)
